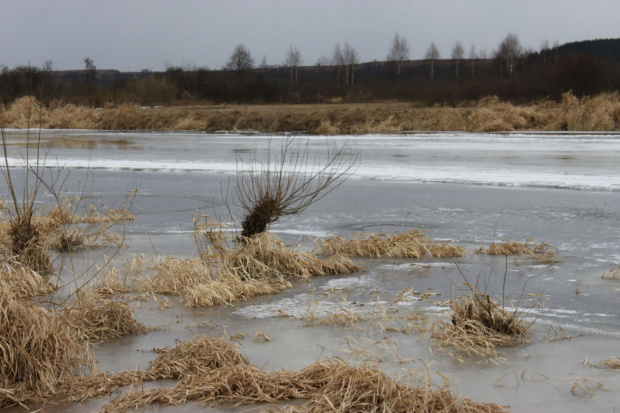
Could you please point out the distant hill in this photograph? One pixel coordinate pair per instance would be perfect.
(606, 49)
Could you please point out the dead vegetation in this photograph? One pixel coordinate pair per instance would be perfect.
(261, 265)
(540, 253)
(38, 349)
(212, 371)
(613, 274)
(611, 363)
(477, 326)
(412, 244)
(597, 113)
(98, 319)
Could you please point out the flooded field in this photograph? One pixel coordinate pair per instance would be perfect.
(471, 189)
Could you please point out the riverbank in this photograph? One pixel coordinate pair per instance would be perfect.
(598, 113)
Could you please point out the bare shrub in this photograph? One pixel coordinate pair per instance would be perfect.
(287, 183)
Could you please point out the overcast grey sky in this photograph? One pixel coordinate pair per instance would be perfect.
(138, 34)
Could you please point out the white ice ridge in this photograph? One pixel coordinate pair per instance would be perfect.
(401, 173)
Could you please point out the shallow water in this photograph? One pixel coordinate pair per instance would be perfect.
(470, 188)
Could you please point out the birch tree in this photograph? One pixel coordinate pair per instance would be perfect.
(509, 51)
(457, 55)
(432, 54)
(351, 59)
(339, 61)
(293, 61)
(398, 55)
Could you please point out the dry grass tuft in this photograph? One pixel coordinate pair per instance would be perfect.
(261, 265)
(200, 355)
(613, 274)
(330, 386)
(611, 363)
(478, 325)
(24, 281)
(27, 245)
(174, 275)
(99, 319)
(542, 253)
(228, 289)
(412, 244)
(37, 348)
(266, 255)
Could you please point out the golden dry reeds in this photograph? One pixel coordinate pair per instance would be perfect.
(613, 274)
(24, 281)
(37, 348)
(329, 386)
(489, 114)
(541, 253)
(97, 319)
(412, 244)
(477, 326)
(261, 265)
(267, 255)
(228, 289)
(612, 363)
(200, 355)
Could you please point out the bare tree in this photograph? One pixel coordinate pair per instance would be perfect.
(457, 55)
(241, 59)
(293, 61)
(339, 61)
(509, 51)
(399, 54)
(263, 63)
(472, 59)
(287, 183)
(351, 59)
(432, 54)
(89, 64)
(324, 61)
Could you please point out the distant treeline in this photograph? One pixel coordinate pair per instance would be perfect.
(586, 68)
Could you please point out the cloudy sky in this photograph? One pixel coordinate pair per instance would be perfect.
(138, 34)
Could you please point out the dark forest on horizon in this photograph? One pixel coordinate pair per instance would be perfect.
(511, 73)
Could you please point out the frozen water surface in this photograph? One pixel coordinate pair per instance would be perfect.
(472, 189)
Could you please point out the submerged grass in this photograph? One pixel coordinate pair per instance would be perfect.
(412, 244)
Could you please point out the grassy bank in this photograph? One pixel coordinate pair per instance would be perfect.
(598, 113)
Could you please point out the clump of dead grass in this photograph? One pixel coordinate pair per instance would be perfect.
(24, 281)
(611, 363)
(97, 319)
(330, 386)
(200, 355)
(412, 244)
(267, 255)
(541, 253)
(613, 274)
(37, 348)
(477, 326)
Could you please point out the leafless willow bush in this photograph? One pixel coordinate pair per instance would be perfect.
(287, 182)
